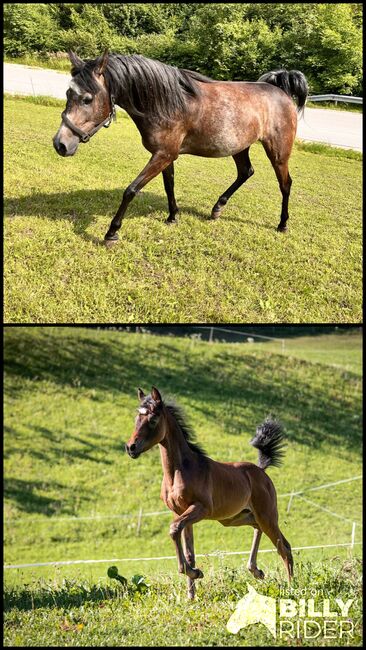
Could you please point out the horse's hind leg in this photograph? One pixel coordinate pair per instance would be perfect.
(252, 562)
(168, 177)
(269, 526)
(279, 162)
(245, 171)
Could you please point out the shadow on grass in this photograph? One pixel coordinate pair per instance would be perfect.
(80, 207)
(218, 385)
(23, 493)
(67, 596)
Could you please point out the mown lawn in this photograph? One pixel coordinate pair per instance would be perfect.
(70, 400)
(236, 269)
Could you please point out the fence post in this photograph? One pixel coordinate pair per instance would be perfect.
(353, 534)
(139, 522)
(211, 335)
(290, 502)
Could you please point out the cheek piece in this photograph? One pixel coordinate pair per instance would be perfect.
(83, 135)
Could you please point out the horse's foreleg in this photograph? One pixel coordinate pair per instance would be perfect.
(194, 513)
(168, 177)
(189, 556)
(245, 171)
(157, 163)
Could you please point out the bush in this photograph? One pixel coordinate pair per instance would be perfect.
(29, 28)
(222, 40)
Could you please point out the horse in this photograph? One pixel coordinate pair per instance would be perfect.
(179, 111)
(195, 487)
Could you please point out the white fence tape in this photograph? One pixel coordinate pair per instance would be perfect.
(171, 557)
(51, 520)
(330, 512)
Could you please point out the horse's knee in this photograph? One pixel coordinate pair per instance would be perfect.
(174, 531)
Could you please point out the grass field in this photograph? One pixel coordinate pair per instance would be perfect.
(70, 400)
(232, 270)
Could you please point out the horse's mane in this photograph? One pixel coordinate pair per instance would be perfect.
(146, 87)
(186, 429)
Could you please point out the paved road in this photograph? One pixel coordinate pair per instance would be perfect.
(337, 128)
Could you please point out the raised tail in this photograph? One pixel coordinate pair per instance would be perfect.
(270, 442)
(292, 82)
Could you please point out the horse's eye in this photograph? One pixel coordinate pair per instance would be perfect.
(87, 100)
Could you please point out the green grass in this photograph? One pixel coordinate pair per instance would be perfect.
(233, 270)
(77, 612)
(69, 406)
(50, 63)
(341, 106)
(342, 350)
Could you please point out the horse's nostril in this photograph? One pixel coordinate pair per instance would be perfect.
(132, 447)
(62, 149)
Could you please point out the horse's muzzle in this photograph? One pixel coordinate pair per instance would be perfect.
(131, 450)
(62, 149)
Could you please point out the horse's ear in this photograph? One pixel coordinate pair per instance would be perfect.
(75, 60)
(140, 394)
(155, 394)
(102, 63)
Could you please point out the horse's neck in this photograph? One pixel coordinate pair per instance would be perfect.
(174, 449)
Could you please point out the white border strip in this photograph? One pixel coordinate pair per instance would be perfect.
(168, 557)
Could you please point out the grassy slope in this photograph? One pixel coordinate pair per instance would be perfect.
(70, 402)
(235, 269)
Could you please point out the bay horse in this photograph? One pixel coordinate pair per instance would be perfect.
(195, 487)
(179, 111)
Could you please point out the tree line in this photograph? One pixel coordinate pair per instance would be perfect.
(222, 40)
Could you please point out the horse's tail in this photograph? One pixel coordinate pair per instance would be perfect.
(269, 442)
(293, 83)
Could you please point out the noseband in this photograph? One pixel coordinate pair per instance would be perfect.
(83, 135)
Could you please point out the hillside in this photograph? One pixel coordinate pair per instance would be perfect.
(70, 400)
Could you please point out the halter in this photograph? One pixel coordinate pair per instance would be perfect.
(83, 135)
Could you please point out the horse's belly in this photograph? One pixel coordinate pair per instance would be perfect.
(220, 146)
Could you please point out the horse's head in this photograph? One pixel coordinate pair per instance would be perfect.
(148, 431)
(89, 104)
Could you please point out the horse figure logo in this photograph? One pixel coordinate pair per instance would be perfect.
(253, 608)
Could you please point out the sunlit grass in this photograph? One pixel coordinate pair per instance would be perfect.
(235, 269)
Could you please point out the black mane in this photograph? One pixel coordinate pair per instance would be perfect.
(186, 429)
(143, 86)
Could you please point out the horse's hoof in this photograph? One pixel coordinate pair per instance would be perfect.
(199, 574)
(281, 228)
(215, 214)
(259, 574)
(109, 243)
(169, 221)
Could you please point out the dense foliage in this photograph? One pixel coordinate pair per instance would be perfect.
(223, 40)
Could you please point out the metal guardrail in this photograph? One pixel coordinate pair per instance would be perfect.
(336, 98)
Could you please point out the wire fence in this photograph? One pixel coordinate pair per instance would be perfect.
(141, 514)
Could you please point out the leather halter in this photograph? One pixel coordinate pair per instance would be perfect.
(83, 135)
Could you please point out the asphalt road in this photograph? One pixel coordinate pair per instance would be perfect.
(336, 128)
